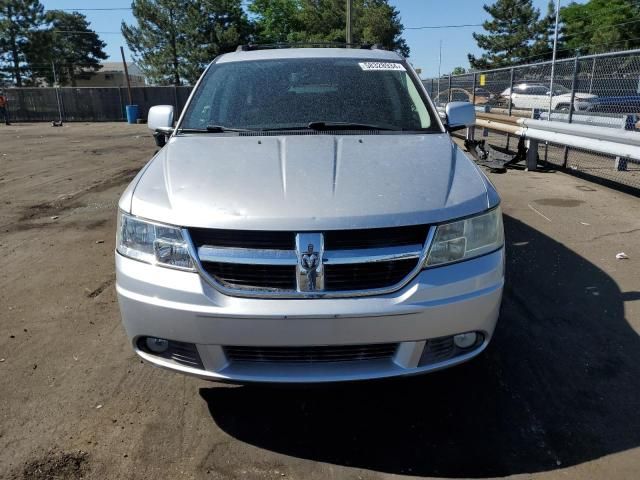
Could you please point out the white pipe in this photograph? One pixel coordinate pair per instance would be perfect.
(600, 146)
(586, 132)
(500, 127)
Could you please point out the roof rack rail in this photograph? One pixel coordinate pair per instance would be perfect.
(271, 46)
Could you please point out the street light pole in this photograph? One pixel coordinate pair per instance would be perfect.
(553, 60)
(439, 69)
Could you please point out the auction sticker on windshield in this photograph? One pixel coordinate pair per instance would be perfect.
(382, 66)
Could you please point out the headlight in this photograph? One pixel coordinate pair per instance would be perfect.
(152, 243)
(466, 238)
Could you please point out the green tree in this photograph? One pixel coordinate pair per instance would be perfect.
(458, 71)
(220, 26)
(374, 21)
(600, 25)
(511, 33)
(18, 18)
(175, 39)
(69, 45)
(542, 48)
(276, 20)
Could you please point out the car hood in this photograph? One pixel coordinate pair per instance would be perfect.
(578, 96)
(619, 100)
(309, 182)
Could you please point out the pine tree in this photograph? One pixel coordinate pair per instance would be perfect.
(375, 21)
(158, 41)
(218, 26)
(542, 48)
(68, 45)
(512, 31)
(18, 18)
(175, 39)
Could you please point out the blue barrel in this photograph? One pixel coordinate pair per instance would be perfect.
(133, 112)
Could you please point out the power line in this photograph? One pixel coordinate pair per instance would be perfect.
(88, 9)
(84, 32)
(444, 26)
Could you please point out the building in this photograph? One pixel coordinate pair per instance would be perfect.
(112, 75)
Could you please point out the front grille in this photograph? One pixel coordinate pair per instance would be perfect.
(266, 262)
(243, 238)
(374, 237)
(367, 276)
(315, 354)
(268, 277)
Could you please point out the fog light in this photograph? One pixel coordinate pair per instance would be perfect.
(465, 340)
(157, 345)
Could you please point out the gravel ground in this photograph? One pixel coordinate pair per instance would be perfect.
(555, 396)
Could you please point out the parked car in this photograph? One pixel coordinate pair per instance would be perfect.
(309, 220)
(629, 104)
(527, 96)
(482, 96)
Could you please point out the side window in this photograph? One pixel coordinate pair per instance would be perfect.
(534, 90)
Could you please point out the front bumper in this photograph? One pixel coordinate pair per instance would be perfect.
(182, 307)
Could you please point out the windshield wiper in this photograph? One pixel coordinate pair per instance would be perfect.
(346, 126)
(213, 129)
(222, 129)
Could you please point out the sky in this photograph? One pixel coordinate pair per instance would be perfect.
(424, 43)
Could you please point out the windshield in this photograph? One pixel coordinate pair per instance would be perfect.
(560, 90)
(293, 93)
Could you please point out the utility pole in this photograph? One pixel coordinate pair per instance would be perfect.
(126, 74)
(349, 21)
(553, 60)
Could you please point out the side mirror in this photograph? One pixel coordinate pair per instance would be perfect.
(460, 115)
(160, 120)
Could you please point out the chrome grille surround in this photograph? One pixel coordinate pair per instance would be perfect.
(249, 256)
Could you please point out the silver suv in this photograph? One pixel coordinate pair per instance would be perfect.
(309, 220)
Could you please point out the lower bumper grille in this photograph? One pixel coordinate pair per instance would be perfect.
(183, 353)
(315, 354)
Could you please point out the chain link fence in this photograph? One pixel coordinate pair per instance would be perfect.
(89, 104)
(601, 90)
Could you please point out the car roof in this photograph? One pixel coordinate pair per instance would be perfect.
(280, 53)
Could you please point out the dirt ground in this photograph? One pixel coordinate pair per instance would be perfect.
(556, 396)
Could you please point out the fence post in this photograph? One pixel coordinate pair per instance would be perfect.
(449, 88)
(471, 131)
(511, 82)
(59, 102)
(574, 80)
(475, 77)
(593, 74)
(175, 101)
